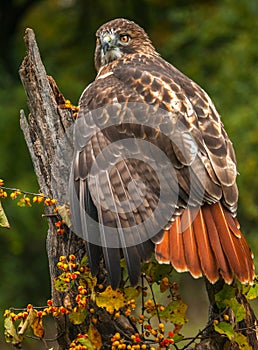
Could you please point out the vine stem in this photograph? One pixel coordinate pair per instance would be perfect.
(154, 300)
(22, 191)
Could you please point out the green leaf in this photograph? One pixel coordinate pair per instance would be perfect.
(252, 292)
(226, 329)
(131, 293)
(87, 343)
(175, 312)
(3, 218)
(242, 341)
(78, 316)
(61, 285)
(226, 299)
(84, 261)
(156, 271)
(226, 293)
(178, 338)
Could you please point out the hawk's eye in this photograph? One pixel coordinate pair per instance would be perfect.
(97, 40)
(125, 38)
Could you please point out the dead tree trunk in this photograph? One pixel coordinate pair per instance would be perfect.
(48, 134)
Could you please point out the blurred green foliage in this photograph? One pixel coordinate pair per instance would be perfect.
(213, 42)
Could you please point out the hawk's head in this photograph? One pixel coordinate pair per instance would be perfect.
(120, 37)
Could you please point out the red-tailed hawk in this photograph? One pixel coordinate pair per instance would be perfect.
(154, 169)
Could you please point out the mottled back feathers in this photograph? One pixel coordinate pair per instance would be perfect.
(151, 149)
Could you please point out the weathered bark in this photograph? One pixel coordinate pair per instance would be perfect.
(48, 133)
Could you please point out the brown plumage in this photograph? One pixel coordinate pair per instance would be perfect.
(153, 168)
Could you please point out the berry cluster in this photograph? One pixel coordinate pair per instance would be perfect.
(143, 341)
(60, 227)
(25, 198)
(40, 311)
(86, 296)
(72, 269)
(3, 194)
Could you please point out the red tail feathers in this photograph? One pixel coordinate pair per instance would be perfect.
(207, 242)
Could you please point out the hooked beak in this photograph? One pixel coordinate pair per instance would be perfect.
(105, 47)
(106, 43)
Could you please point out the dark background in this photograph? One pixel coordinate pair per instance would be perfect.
(213, 42)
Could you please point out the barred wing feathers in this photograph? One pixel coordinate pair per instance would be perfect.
(145, 99)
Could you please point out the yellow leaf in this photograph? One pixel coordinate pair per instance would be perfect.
(3, 219)
(10, 332)
(64, 212)
(110, 299)
(28, 321)
(37, 327)
(95, 337)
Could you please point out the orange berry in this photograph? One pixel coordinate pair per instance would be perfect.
(58, 223)
(65, 267)
(62, 309)
(3, 194)
(72, 257)
(47, 201)
(94, 320)
(60, 231)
